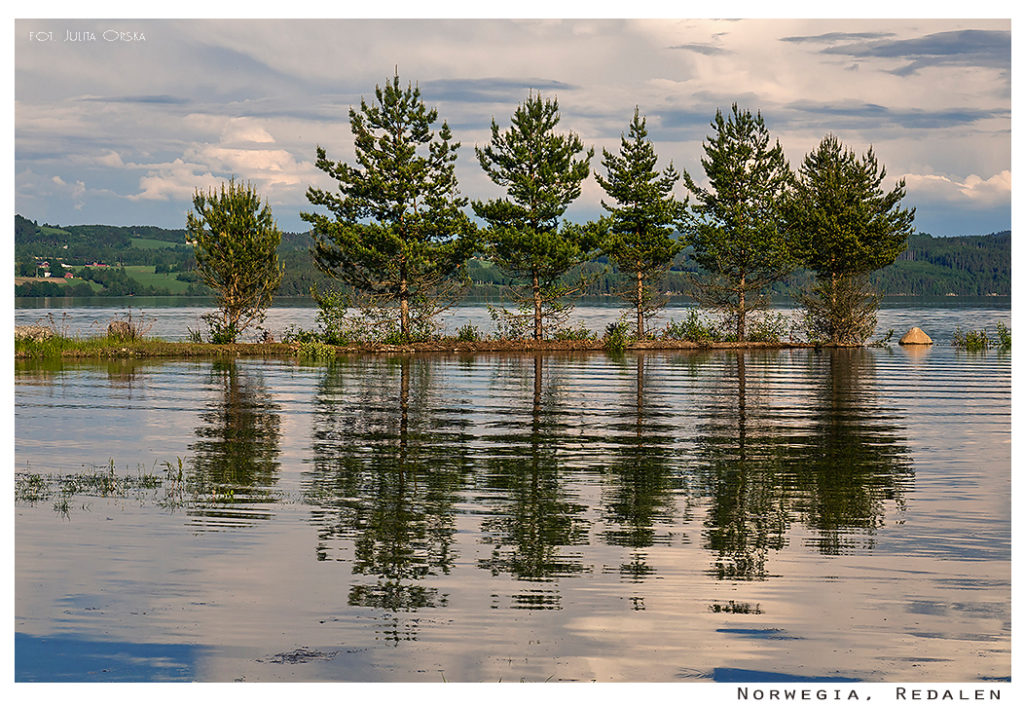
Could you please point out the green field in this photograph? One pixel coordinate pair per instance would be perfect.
(151, 243)
(47, 230)
(144, 275)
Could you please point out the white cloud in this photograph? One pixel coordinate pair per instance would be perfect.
(245, 130)
(76, 191)
(173, 181)
(277, 174)
(110, 159)
(972, 191)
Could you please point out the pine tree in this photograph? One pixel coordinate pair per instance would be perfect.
(642, 224)
(734, 226)
(844, 226)
(542, 175)
(398, 232)
(235, 242)
(843, 221)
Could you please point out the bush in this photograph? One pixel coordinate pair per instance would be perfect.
(293, 334)
(1003, 333)
(332, 317)
(971, 340)
(616, 336)
(695, 327)
(771, 328)
(509, 325)
(316, 350)
(580, 333)
(883, 342)
(469, 332)
(841, 311)
(220, 332)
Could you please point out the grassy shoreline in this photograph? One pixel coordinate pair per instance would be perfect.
(107, 348)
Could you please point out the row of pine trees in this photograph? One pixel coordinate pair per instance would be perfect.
(397, 229)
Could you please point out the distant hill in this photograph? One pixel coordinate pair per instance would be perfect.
(962, 265)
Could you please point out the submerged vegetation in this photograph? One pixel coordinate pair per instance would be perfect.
(168, 485)
(979, 340)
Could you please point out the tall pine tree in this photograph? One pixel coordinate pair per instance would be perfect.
(844, 226)
(541, 172)
(734, 225)
(643, 221)
(398, 230)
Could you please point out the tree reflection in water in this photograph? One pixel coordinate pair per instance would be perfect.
(234, 459)
(778, 442)
(642, 485)
(830, 464)
(531, 518)
(389, 464)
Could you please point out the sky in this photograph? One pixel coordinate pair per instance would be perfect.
(122, 127)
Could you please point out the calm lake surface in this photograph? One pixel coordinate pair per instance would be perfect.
(711, 516)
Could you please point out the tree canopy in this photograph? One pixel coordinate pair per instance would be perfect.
(734, 226)
(644, 219)
(843, 225)
(841, 219)
(235, 241)
(397, 229)
(542, 172)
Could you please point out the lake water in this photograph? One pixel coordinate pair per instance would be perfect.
(171, 318)
(679, 517)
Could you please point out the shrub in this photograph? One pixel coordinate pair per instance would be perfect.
(469, 332)
(509, 325)
(316, 350)
(840, 311)
(580, 333)
(883, 342)
(294, 334)
(220, 331)
(771, 328)
(970, 340)
(331, 317)
(979, 340)
(1003, 332)
(695, 327)
(616, 336)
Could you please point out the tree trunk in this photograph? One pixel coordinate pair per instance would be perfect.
(538, 322)
(639, 305)
(403, 299)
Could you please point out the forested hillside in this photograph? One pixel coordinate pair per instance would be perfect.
(151, 260)
(963, 265)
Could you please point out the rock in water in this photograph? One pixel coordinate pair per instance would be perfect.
(121, 330)
(915, 337)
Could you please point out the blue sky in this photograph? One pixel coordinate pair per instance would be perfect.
(122, 132)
